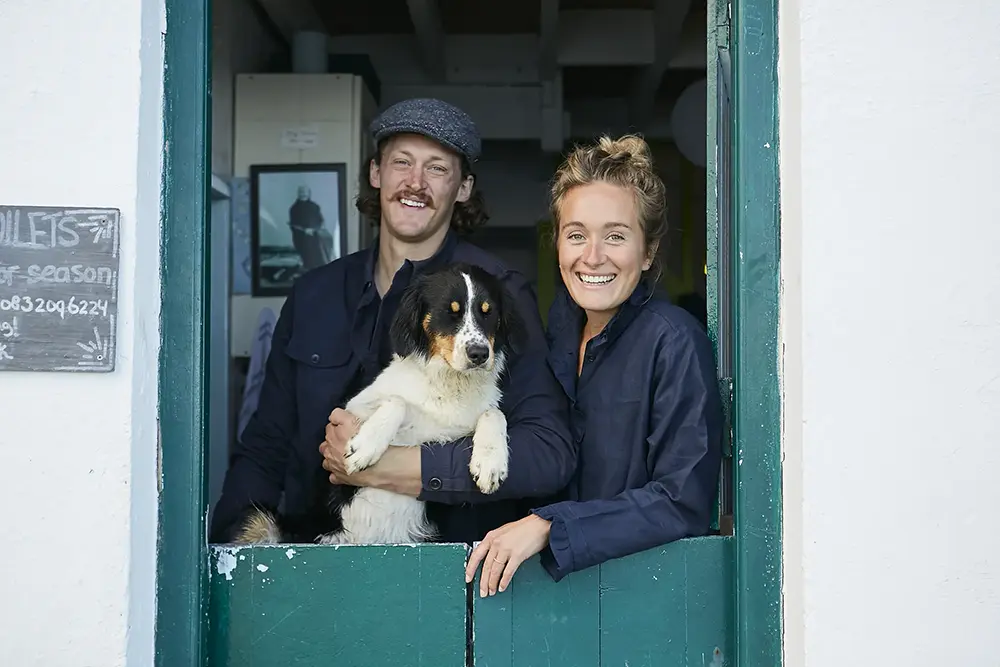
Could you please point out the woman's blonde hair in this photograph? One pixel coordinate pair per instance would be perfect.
(626, 162)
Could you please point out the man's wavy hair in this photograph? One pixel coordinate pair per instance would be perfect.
(466, 217)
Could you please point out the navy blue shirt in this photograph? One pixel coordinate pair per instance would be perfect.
(647, 416)
(331, 340)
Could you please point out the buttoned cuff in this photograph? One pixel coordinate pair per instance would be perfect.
(444, 473)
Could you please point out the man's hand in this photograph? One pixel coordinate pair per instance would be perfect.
(398, 470)
(342, 427)
(503, 550)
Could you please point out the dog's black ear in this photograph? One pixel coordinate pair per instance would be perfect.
(511, 329)
(407, 333)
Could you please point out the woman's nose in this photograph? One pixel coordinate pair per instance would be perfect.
(594, 254)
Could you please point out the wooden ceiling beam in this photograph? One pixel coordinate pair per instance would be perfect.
(426, 17)
(548, 40)
(668, 22)
(292, 16)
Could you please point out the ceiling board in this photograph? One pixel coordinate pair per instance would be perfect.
(387, 17)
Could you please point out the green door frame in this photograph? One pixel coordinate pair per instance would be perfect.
(182, 550)
(756, 366)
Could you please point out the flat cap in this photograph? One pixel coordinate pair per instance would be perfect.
(438, 120)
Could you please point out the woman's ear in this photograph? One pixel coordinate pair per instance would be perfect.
(650, 256)
(406, 333)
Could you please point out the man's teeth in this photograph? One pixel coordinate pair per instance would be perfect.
(596, 280)
(413, 203)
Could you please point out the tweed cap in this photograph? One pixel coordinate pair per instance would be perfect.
(443, 122)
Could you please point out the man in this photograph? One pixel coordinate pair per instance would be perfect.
(332, 339)
(312, 241)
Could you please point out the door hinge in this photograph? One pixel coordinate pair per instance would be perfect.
(726, 393)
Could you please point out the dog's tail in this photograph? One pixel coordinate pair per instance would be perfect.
(260, 527)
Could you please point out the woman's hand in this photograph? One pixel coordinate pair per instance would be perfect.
(503, 550)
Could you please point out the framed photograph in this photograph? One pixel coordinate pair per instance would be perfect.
(297, 222)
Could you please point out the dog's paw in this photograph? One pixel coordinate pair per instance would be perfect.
(359, 455)
(489, 461)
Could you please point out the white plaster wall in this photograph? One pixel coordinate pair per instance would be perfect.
(81, 125)
(891, 307)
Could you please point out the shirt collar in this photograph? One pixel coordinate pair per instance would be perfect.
(409, 267)
(572, 316)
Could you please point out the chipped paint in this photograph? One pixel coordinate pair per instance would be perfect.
(262, 568)
(290, 554)
(226, 562)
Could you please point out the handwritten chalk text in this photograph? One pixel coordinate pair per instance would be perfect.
(61, 307)
(75, 274)
(37, 229)
(7, 274)
(9, 329)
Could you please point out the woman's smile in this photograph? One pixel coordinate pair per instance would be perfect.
(595, 279)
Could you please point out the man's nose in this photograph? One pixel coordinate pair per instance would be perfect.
(415, 179)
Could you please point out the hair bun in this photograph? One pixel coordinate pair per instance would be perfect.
(630, 149)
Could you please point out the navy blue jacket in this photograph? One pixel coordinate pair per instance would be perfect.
(647, 416)
(331, 340)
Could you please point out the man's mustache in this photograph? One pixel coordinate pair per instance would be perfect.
(413, 196)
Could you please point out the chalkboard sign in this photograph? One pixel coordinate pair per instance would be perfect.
(58, 288)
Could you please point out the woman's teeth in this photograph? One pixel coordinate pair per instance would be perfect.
(596, 280)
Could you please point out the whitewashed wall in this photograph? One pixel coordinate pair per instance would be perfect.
(890, 153)
(81, 126)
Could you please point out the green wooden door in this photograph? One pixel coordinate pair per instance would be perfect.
(670, 606)
(707, 601)
(348, 606)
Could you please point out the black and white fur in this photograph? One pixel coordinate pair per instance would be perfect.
(452, 336)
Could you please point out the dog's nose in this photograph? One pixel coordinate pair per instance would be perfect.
(477, 353)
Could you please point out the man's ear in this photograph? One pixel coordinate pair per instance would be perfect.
(406, 334)
(465, 189)
(374, 176)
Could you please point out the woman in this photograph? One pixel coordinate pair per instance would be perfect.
(639, 373)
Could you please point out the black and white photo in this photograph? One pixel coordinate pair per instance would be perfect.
(297, 222)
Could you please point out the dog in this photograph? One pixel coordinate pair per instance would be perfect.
(452, 337)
